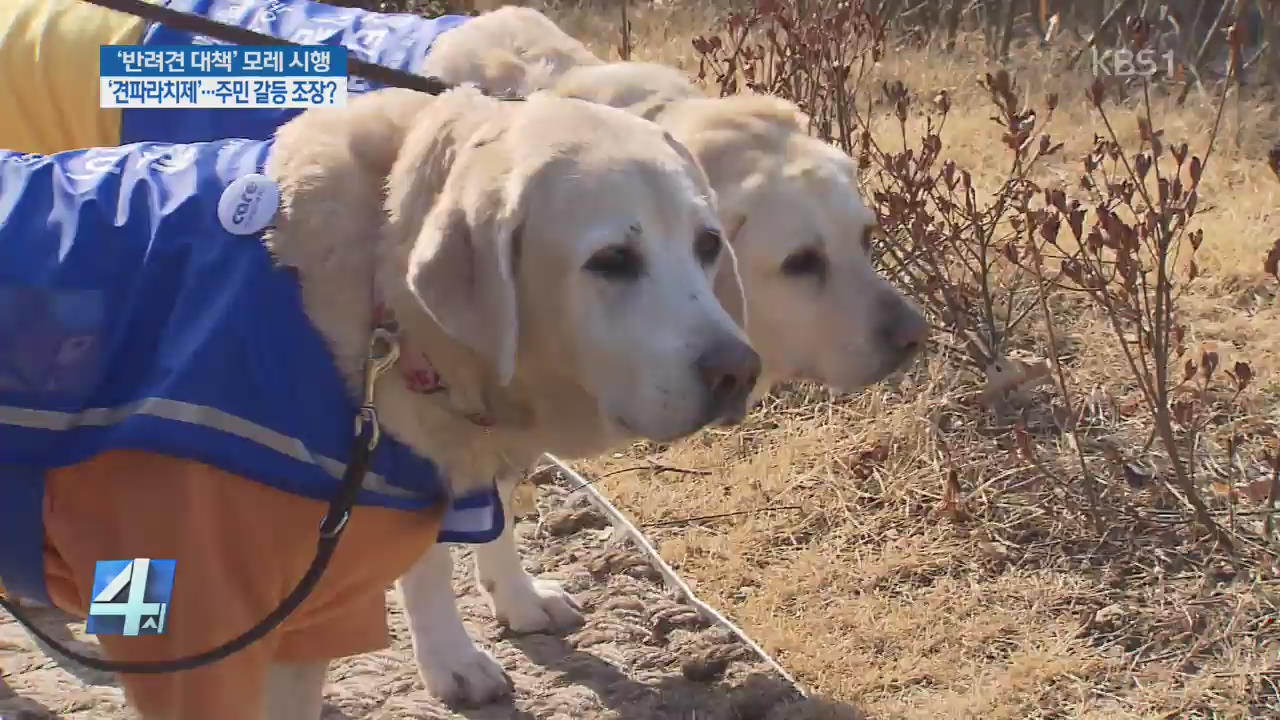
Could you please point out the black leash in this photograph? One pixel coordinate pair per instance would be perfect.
(365, 439)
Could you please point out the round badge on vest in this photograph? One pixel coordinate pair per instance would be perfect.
(248, 204)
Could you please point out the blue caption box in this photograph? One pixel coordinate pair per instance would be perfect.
(228, 61)
(222, 76)
(214, 92)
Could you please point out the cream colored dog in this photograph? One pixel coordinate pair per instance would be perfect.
(559, 245)
(553, 258)
(817, 310)
(561, 250)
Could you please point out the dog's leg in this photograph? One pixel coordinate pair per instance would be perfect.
(452, 667)
(295, 691)
(522, 602)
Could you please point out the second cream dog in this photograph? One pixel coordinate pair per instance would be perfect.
(815, 307)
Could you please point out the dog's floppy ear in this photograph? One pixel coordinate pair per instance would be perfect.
(462, 270)
(454, 211)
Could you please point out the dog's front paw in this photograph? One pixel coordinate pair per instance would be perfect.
(527, 605)
(469, 677)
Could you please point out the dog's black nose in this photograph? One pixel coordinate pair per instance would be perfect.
(904, 329)
(729, 371)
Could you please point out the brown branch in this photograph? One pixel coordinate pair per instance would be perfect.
(1096, 34)
(1208, 34)
(1006, 29)
(1273, 494)
(624, 50)
(719, 516)
(953, 23)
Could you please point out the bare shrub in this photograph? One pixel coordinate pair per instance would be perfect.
(995, 266)
(1129, 262)
(815, 54)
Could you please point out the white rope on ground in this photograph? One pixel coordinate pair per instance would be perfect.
(673, 579)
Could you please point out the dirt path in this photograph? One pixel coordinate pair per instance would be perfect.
(642, 655)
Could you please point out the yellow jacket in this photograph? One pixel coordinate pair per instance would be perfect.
(49, 73)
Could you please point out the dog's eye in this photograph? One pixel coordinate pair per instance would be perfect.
(809, 261)
(617, 262)
(707, 247)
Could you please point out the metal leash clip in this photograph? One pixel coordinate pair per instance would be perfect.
(384, 350)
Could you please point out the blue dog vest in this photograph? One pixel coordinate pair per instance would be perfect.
(139, 309)
(397, 40)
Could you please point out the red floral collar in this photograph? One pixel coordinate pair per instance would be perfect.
(420, 376)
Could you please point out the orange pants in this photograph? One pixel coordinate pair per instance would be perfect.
(240, 547)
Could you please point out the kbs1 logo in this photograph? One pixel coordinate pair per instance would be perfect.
(1123, 62)
(130, 597)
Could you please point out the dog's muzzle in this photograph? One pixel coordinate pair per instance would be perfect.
(903, 333)
(729, 371)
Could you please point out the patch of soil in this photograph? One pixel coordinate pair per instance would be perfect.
(642, 655)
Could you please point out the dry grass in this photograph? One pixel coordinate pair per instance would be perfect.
(834, 547)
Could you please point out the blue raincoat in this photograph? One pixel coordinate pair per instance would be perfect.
(139, 309)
